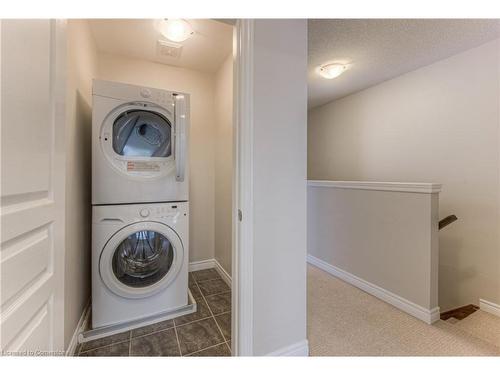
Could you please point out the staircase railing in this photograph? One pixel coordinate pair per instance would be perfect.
(447, 221)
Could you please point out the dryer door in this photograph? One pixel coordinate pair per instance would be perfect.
(142, 133)
(138, 140)
(141, 259)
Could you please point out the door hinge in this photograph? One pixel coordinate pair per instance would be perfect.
(240, 215)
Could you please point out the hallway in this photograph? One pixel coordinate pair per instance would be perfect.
(345, 321)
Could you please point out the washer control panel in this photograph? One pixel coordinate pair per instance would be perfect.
(163, 211)
(125, 214)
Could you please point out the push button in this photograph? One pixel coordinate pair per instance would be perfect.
(145, 93)
(144, 212)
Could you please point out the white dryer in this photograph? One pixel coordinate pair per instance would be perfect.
(139, 261)
(139, 144)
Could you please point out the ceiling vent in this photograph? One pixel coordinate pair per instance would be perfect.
(169, 49)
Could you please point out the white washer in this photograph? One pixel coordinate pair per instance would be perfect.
(139, 261)
(139, 144)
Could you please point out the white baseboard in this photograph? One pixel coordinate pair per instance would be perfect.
(82, 323)
(419, 312)
(201, 265)
(210, 263)
(299, 349)
(223, 273)
(489, 307)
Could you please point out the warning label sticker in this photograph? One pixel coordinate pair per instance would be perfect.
(142, 166)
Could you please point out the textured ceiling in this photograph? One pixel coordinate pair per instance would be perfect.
(137, 38)
(379, 49)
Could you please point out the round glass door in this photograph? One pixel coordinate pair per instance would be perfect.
(138, 139)
(142, 259)
(142, 133)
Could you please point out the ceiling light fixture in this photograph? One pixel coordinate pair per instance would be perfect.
(175, 29)
(331, 71)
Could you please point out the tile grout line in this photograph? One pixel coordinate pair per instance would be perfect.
(209, 309)
(201, 293)
(222, 313)
(130, 343)
(135, 337)
(205, 300)
(208, 347)
(174, 327)
(215, 294)
(212, 315)
(153, 332)
(215, 278)
(193, 321)
(104, 346)
(130, 338)
(177, 337)
(218, 294)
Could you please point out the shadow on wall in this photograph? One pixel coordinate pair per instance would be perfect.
(449, 277)
(84, 138)
(83, 134)
(79, 219)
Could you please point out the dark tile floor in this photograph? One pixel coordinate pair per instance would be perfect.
(207, 332)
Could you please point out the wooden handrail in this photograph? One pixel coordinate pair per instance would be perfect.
(447, 221)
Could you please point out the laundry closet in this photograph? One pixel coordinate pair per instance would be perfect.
(149, 143)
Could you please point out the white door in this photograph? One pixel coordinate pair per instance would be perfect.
(32, 186)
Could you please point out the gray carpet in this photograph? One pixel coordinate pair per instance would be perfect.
(482, 325)
(345, 321)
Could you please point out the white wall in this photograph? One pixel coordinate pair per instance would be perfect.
(81, 68)
(438, 124)
(279, 186)
(202, 136)
(382, 238)
(223, 95)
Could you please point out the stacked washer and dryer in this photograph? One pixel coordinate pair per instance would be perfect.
(140, 202)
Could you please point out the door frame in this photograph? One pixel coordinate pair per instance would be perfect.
(59, 178)
(242, 238)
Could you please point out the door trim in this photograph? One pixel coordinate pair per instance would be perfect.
(242, 259)
(58, 77)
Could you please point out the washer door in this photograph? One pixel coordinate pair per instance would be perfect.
(141, 259)
(138, 140)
